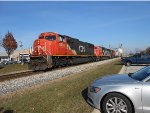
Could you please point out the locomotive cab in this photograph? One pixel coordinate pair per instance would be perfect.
(45, 44)
(50, 44)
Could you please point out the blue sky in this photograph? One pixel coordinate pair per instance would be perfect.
(100, 23)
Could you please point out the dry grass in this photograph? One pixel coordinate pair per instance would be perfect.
(65, 95)
(12, 68)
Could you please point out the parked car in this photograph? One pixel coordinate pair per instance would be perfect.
(127, 93)
(25, 61)
(5, 62)
(1, 65)
(12, 62)
(136, 59)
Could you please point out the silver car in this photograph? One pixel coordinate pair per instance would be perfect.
(127, 93)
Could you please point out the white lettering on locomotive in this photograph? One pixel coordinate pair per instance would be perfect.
(82, 49)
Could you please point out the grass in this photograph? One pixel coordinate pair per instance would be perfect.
(60, 96)
(13, 67)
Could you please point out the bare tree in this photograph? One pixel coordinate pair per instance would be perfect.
(148, 50)
(9, 43)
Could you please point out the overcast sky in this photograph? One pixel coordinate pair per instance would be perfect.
(100, 23)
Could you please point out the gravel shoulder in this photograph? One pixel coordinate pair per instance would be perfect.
(25, 82)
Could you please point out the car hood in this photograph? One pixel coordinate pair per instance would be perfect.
(114, 79)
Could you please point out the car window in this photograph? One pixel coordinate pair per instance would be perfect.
(144, 56)
(136, 56)
(148, 56)
(141, 74)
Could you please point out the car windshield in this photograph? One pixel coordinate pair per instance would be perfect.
(141, 74)
(51, 38)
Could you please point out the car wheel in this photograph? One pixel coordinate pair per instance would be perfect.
(116, 103)
(128, 63)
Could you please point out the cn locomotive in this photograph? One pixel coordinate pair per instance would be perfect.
(53, 50)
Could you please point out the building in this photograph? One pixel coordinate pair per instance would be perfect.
(119, 52)
(18, 55)
(3, 56)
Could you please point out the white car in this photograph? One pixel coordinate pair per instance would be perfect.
(127, 93)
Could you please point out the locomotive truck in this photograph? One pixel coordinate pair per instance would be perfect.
(52, 50)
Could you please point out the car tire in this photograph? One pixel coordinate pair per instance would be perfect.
(128, 63)
(116, 102)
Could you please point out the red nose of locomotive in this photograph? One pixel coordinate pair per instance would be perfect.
(39, 47)
(45, 44)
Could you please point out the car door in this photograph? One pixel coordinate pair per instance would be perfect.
(146, 97)
(144, 59)
(146, 93)
(147, 59)
(138, 59)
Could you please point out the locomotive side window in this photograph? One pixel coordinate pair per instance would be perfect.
(50, 38)
(41, 37)
(61, 39)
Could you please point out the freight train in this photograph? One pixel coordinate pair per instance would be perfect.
(53, 50)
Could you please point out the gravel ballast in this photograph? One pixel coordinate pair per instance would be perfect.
(24, 82)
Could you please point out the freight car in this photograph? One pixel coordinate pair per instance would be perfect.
(52, 50)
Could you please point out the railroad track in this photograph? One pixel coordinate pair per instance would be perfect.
(29, 73)
(17, 75)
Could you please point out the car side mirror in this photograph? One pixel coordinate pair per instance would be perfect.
(130, 74)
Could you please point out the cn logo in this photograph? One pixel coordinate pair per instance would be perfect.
(82, 49)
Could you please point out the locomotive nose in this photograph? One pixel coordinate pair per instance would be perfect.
(39, 47)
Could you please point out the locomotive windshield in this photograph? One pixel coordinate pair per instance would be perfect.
(50, 38)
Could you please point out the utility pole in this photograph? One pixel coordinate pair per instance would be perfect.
(21, 46)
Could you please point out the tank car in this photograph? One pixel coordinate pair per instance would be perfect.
(53, 49)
